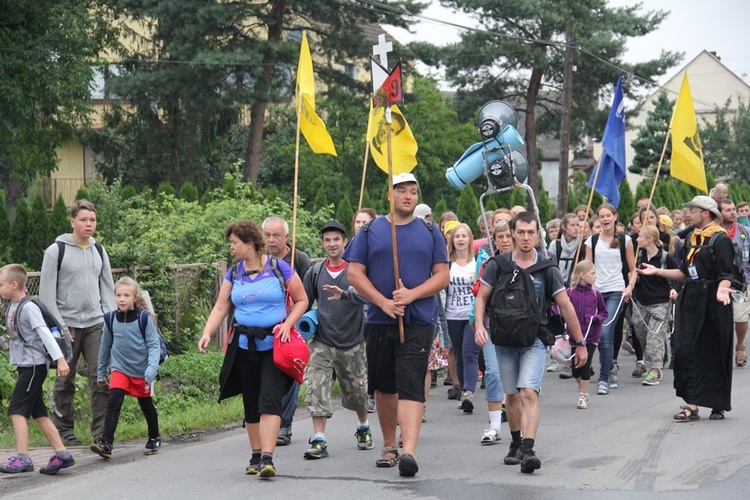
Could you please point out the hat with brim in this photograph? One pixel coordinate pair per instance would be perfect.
(404, 178)
(704, 203)
(334, 225)
(422, 211)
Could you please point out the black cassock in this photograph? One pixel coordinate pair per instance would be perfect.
(704, 328)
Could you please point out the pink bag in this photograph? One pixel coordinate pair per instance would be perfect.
(560, 351)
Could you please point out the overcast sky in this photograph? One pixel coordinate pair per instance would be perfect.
(692, 25)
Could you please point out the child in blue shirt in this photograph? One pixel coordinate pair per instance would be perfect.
(30, 341)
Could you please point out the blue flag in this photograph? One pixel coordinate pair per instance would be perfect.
(612, 164)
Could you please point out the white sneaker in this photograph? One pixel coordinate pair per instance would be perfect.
(583, 401)
(602, 389)
(490, 436)
(553, 366)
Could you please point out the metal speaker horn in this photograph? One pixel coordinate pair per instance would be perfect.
(493, 116)
(508, 171)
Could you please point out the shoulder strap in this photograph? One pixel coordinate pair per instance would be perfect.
(539, 266)
(316, 269)
(558, 251)
(60, 254)
(428, 223)
(109, 319)
(366, 227)
(100, 249)
(594, 241)
(623, 255)
(503, 264)
(18, 315)
(143, 322)
(274, 262)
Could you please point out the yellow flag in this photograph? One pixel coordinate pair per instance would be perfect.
(687, 156)
(403, 145)
(311, 125)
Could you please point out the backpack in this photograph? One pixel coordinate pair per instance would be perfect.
(559, 258)
(109, 318)
(61, 252)
(316, 269)
(274, 265)
(56, 328)
(623, 255)
(736, 261)
(515, 318)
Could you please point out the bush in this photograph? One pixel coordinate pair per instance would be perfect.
(188, 192)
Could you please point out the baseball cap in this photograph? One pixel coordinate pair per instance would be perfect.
(404, 177)
(422, 210)
(450, 226)
(333, 225)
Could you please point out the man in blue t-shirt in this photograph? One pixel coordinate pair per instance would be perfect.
(396, 371)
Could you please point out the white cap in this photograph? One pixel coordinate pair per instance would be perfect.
(403, 178)
(422, 210)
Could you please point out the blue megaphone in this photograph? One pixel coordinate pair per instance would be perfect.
(308, 323)
(470, 166)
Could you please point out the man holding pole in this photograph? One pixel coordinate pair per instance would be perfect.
(397, 368)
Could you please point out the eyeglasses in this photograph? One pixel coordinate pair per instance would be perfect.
(696, 209)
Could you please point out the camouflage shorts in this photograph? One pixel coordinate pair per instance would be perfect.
(351, 371)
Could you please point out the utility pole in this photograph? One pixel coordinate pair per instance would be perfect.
(567, 106)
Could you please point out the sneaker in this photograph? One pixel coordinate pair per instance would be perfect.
(612, 379)
(371, 405)
(284, 440)
(364, 438)
(553, 366)
(16, 465)
(152, 446)
(102, 449)
(56, 463)
(448, 380)
(467, 402)
(652, 379)
(266, 469)
(602, 389)
(640, 369)
(515, 454)
(318, 449)
(254, 466)
(583, 401)
(454, 392)
(628, 346)
(530, 462)
(72, 441)
(490, 436)
(566, 373)
(407, 465)
(433, 378)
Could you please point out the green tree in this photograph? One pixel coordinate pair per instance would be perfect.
(59, 221)
(627, 203)
(345, 212)
(127, 192)
(321, 200)
(573, 200)
(46, 68)
(545, 209)
(726, 143)
(19, 232)
(37, 238)
(468, 209)
(188, 192)
(440, 208)
(521, 61)
(5, 241)
(650, 141)
(83, 194)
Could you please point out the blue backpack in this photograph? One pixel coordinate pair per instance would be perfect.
(109, 318)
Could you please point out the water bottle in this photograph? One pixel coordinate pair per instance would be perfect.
(55, 332)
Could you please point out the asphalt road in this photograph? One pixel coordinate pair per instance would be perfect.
(626, 445)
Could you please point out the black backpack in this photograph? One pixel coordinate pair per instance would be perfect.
(109, 318)
(57, 329)
(515, 318)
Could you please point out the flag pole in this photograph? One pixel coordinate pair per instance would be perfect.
(388, 121)
(658, 167)
(588, 206)
(296, 181)
(364, 173)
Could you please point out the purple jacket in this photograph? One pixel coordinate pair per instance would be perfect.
(588, 303)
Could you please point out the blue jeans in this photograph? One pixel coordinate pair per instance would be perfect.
(522, 367)
(493, 385)
(288, 408)
(466, 352)
(606, 344)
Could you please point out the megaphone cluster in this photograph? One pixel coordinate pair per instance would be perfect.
(497, 155)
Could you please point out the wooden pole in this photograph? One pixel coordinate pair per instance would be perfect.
(658, 167)
(388, 121)
(588, 206)
(364, 173)
(296, 181)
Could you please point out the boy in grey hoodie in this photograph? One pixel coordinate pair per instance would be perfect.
(78, 288)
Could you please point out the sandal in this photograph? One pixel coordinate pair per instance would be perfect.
(740, 359)
(716, 415)
(686, 414)
(388, 457)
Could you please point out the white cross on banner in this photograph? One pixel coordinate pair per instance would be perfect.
(381, 50)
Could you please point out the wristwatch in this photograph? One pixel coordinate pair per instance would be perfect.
(582, 343)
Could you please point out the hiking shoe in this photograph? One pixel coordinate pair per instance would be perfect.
(285, 440)
(566, 373)
(490, 436)
(448, 380)
(454, 392)
(319, 449)
(640, 369)
(530, 462)
(628, 346)
(553, 366)
(371, 405)
(407, 465)
(102, 449)
(16, 465)
(254, 466)
(583, 401)
(652, 379)
(72, 441)
(467, 402)
(515, 454)
(602, 389)
(266, 469)
(364, 438)
(152, 446)
(56, 463)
